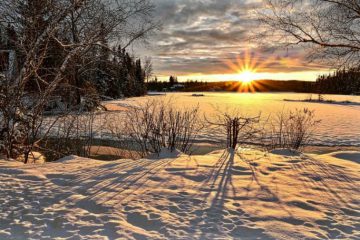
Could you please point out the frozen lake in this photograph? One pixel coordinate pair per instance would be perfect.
(340, 124)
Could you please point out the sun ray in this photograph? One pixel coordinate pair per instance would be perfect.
(246, 65)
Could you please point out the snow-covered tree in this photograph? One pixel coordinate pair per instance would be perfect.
(74, 28)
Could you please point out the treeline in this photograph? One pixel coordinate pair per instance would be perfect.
(65, 56)
(96, 70)
(234, 86)
(339, 82)
(101, 72)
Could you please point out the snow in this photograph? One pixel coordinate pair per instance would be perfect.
(339, 126)
(345, 103)
(166, 153)
(285, 152)
(350, 155)
(247, 194)
(335, 119)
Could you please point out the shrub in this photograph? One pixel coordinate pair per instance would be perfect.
(291, 129)
(73, 133)
(157, 124)
(239, 129)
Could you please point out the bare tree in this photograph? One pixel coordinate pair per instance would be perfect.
(328, 28)
(291, 129)
(74, 25)
(71, 133)
(148, 68)
(239, 128)
(159, 124)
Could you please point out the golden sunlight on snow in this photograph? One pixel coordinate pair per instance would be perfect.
(246, 194)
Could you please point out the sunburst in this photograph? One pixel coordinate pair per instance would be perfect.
(246, 66)
(246, 76)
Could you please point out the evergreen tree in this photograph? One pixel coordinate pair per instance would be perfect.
(102, 56)
(172, 80)
(340, 82)
(139, 78)
(108, 74)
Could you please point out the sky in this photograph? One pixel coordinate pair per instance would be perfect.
(210, 40)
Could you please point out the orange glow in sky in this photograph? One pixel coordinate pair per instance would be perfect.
(249, 66)
(246, 68)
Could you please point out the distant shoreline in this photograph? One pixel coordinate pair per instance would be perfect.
(255, 86)
(160, 93)
(344, 103)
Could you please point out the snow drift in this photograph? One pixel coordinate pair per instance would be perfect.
(248, 194)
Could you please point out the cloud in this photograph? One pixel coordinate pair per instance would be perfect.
(199, 36)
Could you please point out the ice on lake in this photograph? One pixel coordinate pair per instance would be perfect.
(340, 124)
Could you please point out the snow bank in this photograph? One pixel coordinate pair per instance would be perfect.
(247, 195)
(166, 153)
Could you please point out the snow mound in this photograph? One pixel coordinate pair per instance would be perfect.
(67, 159)
(222, 195)
(73, 159)
(166, 153)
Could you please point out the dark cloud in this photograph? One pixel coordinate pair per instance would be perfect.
(198, 36)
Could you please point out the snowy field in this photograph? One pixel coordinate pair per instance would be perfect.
(340, 124)
(221, 195)
(248, 194)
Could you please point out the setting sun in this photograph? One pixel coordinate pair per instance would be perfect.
(246, 76)
(246, 68)
(180, 119)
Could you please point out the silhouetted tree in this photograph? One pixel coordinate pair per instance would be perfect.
(340, 82)
(148, 69)
(139, 78)
(172, 80)
(328, 28)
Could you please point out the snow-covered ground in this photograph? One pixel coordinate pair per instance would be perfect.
(244, 195)
(340, 124)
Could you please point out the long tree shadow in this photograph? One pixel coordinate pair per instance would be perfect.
(322, 174)
(52, 199)
(334, 185)
(263, 188)
(36, 200)
(225, 181)
(221, 191)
